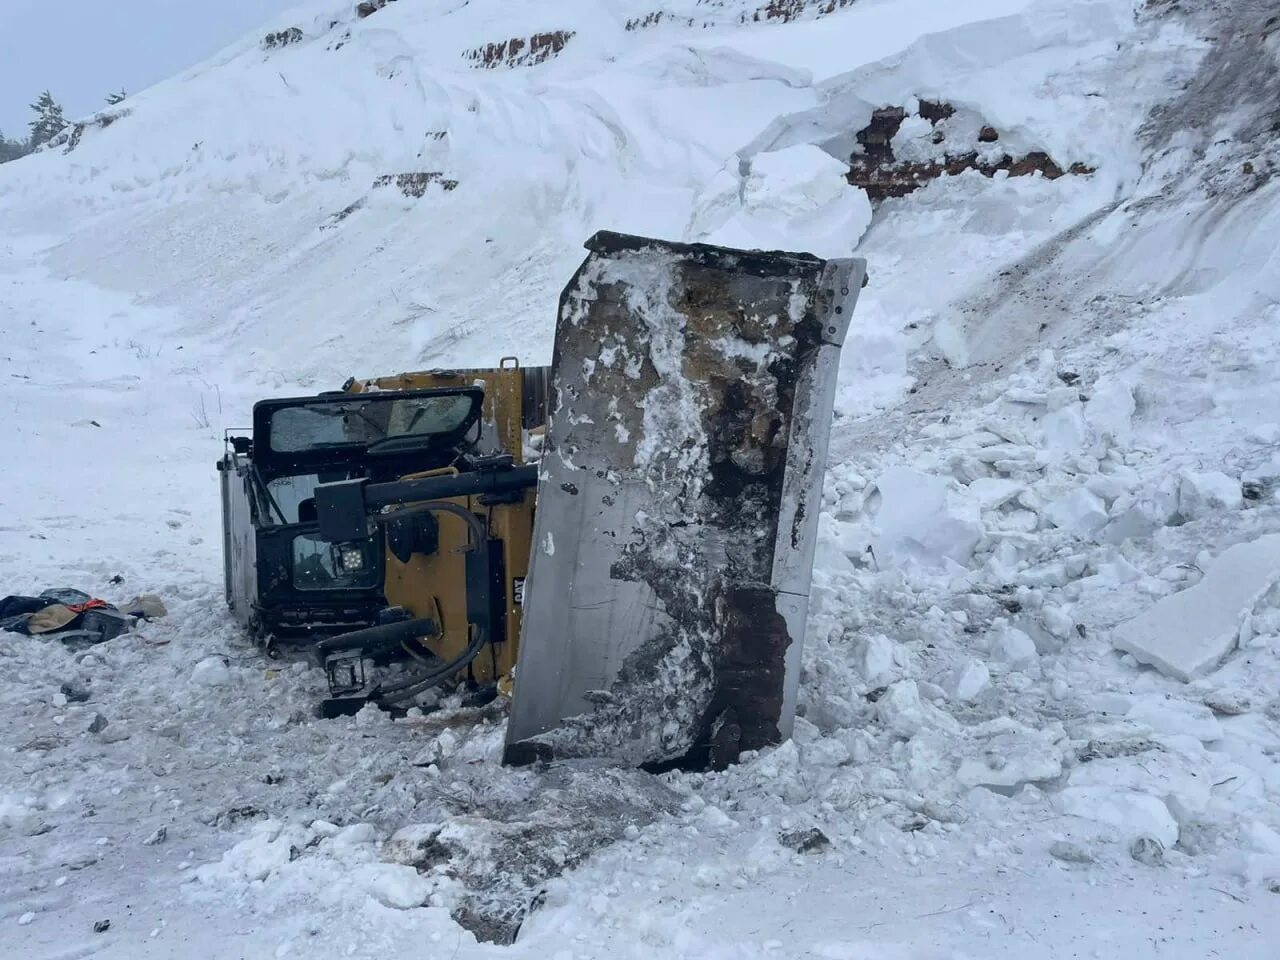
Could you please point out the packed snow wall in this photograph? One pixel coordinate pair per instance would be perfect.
(677, 503)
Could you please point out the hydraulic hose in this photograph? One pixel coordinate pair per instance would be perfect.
(411, 687)
(382, 635)
(478, 532)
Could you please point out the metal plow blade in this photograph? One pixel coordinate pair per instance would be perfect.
(678, 502)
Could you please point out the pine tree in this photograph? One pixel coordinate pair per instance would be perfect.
(114, 98)
(49, 120)
(12, 149)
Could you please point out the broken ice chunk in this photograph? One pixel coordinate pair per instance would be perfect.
(1079, 512)
(1201, 494)
(922, 519)
(992, 492)
(1132, 813)
(874, 658)
(968, 680)
(1187, 634)
(902, 711)
(1065, 429)
(1110, 410)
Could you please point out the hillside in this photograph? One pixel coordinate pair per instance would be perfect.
(1057, 409)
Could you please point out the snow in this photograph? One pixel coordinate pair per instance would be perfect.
(987, 765)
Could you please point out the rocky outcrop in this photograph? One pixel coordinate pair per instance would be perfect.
(719, 13)
(414, 185)
(368, 8)
(785, 11)
(281, 38)
(895, 159)
(519, 51)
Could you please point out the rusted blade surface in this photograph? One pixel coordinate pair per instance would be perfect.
(678, 502)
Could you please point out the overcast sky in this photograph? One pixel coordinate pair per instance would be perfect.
(82, 50)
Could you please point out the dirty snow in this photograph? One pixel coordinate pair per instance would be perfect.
(1057, 411)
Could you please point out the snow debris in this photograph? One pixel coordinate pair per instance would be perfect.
(211, 672)
(921, 518)
(1147, 850)
(393, 885)
(810, 840)
(1133, 815)
(411, 845)
(1202, 494)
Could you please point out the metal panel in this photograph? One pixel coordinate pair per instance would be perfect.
(678, 501)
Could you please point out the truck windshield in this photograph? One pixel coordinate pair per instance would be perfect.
(362, 421)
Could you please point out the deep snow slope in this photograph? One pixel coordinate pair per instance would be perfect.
(1058, 407)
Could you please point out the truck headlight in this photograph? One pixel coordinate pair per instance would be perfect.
(350, 557)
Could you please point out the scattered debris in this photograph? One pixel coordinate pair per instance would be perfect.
(76, 618)
(504, 855)
(804, 841)
(1110, 749)
(101, 926)
(1147, 850)
(148, 606)
(1069, 852)
(234, 815)
(211, 672)
(42, 744)
(1228, 702)
(157, 836)
(97, 724)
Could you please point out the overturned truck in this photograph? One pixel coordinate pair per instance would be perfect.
(642, 591)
